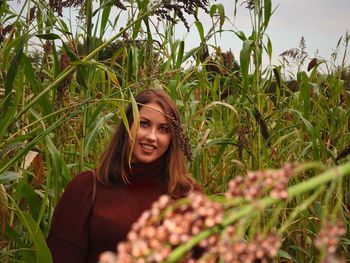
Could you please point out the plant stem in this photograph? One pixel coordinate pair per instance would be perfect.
(70, 69)
(259, 205)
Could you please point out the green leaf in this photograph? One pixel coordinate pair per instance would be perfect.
(65, 29)
(129, 65)
(11, 74)
(34, 141)
(93, 134)
(32, 199)
(277, 74)
(104, 20)
(245, 61)
(136, 29)
(189, 54)
(48, 36)
(73, 57)
(6, 120)
(136, 121)
(267, 12)
(200, 30)
(304, 87)
(269, 47)
(172, 89)
(56, 62)
(42, 252)
(221, 9)
(285, 254)
(36, 85)
(240, 35)
(25, 251)
(106, 5)
(9, 176)
(180, 54)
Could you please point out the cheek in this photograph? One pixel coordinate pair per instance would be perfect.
(167, 141)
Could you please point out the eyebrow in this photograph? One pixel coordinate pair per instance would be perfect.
(146, 119)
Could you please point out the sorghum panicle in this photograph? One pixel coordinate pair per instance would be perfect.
(263, 127)
(180, 137)
(260, 249)
(4, 31)
(32, 14)
(161, 229)
(328, 238)
(257, 184)
(62, 90)
(180, 7)
(343, 153)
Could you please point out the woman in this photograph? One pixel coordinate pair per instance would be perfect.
(98, 207)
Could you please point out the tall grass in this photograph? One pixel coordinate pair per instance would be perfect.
(63, 89)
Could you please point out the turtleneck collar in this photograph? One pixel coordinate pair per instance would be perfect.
(138, 168)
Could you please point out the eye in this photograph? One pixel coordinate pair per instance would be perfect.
(143, 124)
(164, 129)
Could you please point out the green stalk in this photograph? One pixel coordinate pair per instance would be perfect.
(70, 69)
(259, 205)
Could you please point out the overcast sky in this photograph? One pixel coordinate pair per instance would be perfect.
(321, 22)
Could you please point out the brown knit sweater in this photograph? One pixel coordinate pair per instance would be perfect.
(83, 228)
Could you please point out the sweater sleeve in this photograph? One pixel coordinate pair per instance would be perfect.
(68, 236)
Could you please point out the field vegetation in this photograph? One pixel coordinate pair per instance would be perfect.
(270, 146)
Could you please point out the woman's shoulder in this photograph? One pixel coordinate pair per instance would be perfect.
(82, 183)
(84, 177)
(78, 194)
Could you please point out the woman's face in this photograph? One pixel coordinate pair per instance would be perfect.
(153, 135)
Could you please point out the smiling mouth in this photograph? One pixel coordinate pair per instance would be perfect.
(148, 146)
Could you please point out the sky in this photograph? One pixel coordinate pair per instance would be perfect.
(320, 22)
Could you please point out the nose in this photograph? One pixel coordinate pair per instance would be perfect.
(151, 135)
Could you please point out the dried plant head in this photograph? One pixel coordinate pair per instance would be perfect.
(180, 8)
(257, 184)
(329, 238)
(63, 88)
(263, 126)
(249, 4)
(167, 225)
(180, 137)
(4, 31)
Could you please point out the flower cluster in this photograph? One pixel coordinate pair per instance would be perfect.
(260, 249)
(180, 137)
(328, 238)
(169, 224)
(162, 228)
(57, 5)
(257, 184)
(62, 90)
(263, 126)
(249, 4)
(4, 31)
(190, 7)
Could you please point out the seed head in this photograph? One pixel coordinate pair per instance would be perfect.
(328, 238)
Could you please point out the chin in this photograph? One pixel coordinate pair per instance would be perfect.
(145, 159)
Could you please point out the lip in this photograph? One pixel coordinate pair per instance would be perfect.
(148, 147)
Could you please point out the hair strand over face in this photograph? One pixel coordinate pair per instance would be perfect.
(116, 158)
